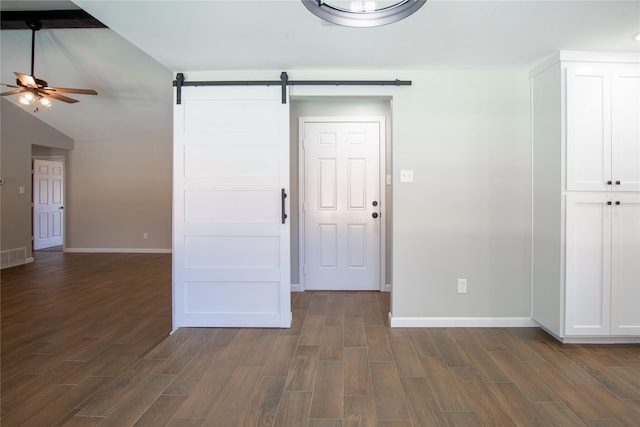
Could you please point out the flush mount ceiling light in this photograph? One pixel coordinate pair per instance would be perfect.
(363, 13)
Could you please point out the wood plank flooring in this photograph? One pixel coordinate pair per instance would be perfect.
(85, 342)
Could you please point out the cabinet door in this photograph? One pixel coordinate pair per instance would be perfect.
(625, 265)
(625, 126)
(588, 265)
(588, 127)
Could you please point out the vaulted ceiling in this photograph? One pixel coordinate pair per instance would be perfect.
(132, 64)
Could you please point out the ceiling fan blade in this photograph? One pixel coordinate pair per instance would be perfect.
(59, 97)
(8, 85)
(72, 90)
(12, 92)
(26, 80)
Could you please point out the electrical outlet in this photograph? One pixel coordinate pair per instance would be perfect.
(145, 235)
(462, 286)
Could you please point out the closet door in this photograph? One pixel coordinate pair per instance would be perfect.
(625, 265)
(231, 241)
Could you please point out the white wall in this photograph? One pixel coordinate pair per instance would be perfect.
(465, 134)
(468, 214)
(119, 190)
(20, 131)
(115, 190)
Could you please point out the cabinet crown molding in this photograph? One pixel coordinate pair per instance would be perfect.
(583, 56)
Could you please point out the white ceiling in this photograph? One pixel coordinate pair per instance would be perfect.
(282, 34)
(131, 66)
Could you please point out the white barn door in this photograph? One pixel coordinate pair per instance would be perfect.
(231, 248)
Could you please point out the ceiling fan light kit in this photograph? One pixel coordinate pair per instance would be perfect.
(36, 92)
(27, 98)
(38, 101)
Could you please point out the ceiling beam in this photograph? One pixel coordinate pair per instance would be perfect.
(16, 19)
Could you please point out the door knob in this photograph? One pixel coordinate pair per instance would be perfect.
(375, 214)
(61, 207)
(375, 203)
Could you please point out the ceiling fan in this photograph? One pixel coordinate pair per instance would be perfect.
(38, 92)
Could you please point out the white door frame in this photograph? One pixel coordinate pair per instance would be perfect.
(382, 188)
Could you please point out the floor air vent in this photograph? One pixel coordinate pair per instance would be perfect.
(12, 257)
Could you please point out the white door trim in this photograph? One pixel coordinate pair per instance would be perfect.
(382, 186)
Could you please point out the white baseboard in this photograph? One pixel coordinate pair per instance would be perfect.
(461, 322)
(118, 250)
(594, 340)
(297, 287)
(600, 340)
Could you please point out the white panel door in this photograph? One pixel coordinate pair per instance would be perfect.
(231, 244)
(625, 265)
(588, 266)
(341, 204)
(625, 127)
(588, 102)
(48, 209)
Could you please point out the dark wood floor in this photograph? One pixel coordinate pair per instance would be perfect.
(84, 342)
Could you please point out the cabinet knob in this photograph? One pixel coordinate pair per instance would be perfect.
(617, 182)
(609, 203)
(609, 182)
(618, 203)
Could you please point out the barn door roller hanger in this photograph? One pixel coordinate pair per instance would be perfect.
(284, 81)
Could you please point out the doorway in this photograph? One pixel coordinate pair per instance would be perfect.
(351, 108)
(48, 204)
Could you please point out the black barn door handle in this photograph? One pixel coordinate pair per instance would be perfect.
(283, 196)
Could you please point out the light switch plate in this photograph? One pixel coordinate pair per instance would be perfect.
(406, 175)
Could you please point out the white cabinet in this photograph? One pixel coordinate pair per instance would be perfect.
(602, 264)
(602, 126)
(625, 127)
(588, 266)
(585, 111)
(625, 265)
